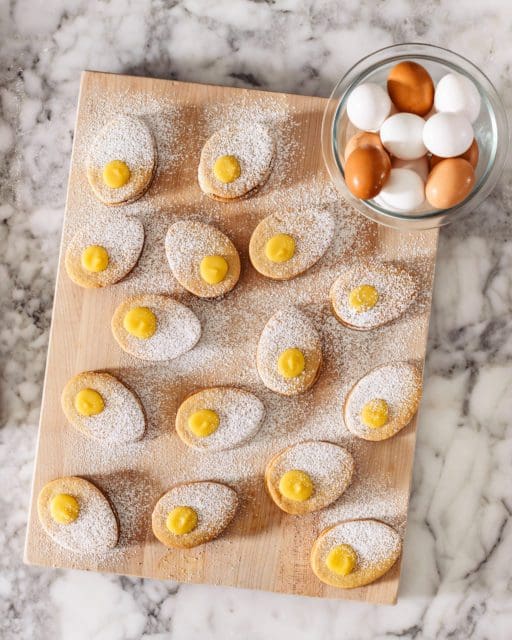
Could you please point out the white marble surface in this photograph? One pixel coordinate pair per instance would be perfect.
(457, 564)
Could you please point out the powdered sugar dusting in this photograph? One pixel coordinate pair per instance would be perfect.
(134, 475)
(395, 287)
(240, 416)
(373, 542)
(213, 502)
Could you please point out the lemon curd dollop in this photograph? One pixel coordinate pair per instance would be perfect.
(116, 174)
(213, 269)
(88, 402)
(140, 322)
(291, 363)
(363, 298)
(341, 559)
(203, 423)
(296, 485)
(64, 508)
(280, 248)
(226, 169)
(181, 520)
(94, 258)
(375, 413)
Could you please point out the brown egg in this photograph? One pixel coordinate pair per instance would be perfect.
(471, 155)
(449, 182)
(366, 171)
(361, 138)
(410, 88)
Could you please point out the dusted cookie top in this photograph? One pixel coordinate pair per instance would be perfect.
(283, 245)
(155, 327)
(354, 553)
(219, 418)
(77, 516)
(383, 401)
(235, 161)
(369, 295)
(104, 251)
(308, 476)
(289, 352)
(121, 161)
(101, 407)
(193, 513)
(202, 258)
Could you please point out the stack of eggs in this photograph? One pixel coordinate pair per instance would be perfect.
(415, 141)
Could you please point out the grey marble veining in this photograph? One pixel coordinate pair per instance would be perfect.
(457, 561)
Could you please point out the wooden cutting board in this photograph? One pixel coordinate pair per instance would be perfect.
(263, 548)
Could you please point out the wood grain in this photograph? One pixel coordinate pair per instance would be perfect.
(263, 548)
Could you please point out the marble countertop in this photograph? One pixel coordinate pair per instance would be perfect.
(457, 562)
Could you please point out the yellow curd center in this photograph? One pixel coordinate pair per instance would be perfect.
(291, 363)
(280, 248)
(64, 509)
(363, 298)
(226, 169)
(116, 174)
(375, 413)
(89, 402)
(213, 269)
(94, 258)
(140, 322)
(203, 423)
(341, 559)
(181, 520)
(296, 485)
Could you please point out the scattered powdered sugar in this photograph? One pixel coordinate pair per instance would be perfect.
(214, 504)
(240, 416)
(134, 475)
(395, 287)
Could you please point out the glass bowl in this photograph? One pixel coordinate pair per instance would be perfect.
(491, 131)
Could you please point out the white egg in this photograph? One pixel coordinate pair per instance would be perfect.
(368, 106)
(457, 94)
(402, 136)
(419, 165)
(448, 134)
(404, 190)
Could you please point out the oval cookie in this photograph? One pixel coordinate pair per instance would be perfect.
(122, 161)
(369, 295)
(193, 513)
(202, 258)
(77, 516)
(383, 401)
(289, 352)
(284, 245)
(354, 553)
(236, 161)
(101, 407)
(219, 418)
(104, 251)
(155, 327)
(324, 472)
